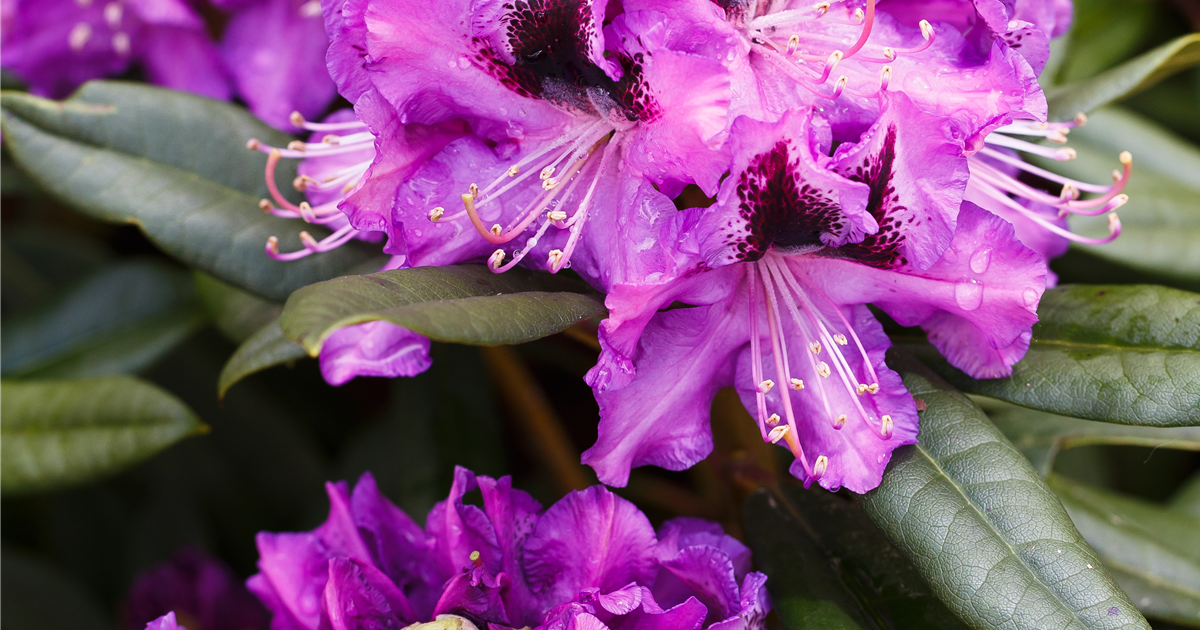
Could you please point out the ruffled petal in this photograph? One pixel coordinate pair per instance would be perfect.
(514, 516)
(346, 58)
(476, 594)
(378, 348)
(590, 539)
(359, 596)
(755, 604)
(459, 529)
(166, 622)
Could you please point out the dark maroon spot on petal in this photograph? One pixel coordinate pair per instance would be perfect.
(632, 93)
(779, 208)
(882, 249)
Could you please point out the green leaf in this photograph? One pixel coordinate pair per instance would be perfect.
(463, 304)
(265, 348)
(1129, 78)
(982, 528)
(236, 313)
(1128, 354)
(37, 596)
(176, 165)
(1161, 222)
(1187, 498)
(1154, 552)
(121, 319)
(830, 567)
(62, 432)
(1041, 436)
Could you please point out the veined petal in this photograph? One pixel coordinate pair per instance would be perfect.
(358, 595)
(378, 348)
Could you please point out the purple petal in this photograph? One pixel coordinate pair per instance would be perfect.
(755, 604)
(688, 615)
(590, 539)
(621, 601)
(680, 533)
(166, 622)
(197, 585)
(514, 516)
(459, 529)
(475, 594)
(346, 58)
(276, 52)
(378, 348)
(184, 59)
(707, 572)
(360, 597)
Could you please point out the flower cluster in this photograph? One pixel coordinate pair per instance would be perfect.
(592, 560)
(835, 155)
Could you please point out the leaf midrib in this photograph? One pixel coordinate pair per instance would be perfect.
(1110, 346)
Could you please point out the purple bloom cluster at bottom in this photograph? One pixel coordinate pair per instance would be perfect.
(592, 560)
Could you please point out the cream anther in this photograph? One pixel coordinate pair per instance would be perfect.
(297, 119)
(778, 433)
(496, 258)
(1081, 119)
(773, 420)
(797, 384)
(1114, 223)
(302, 182)
(821, 8)
(885, 428)
(496, 229)
(514, 170)
(1125, 157)
(265, 205)
(1058, 136)
(308, 240)
(112, 14)
(474, 191)
(793, 44)
(273, 245)
(436, 213)
(873, 388)
(549, 184)
(253, 144)
(1068, 193)
(546, 173)
(1065, 154)
(859, 15)
(839, 422)
(296, 145)
(861, 389)
(889, 54)
(815, 347)
(554, 259)
(306, 212)
(79, 36)
(926, 29)
(331, 139)
(765, 386)
(823, 369)
(840, 339)
(556, 215)
(820, 466)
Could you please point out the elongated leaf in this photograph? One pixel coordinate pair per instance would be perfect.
(830, 567)
(1161, 222)
(60, 432)
(1187, 499)
(265, 348)
(37, 596)
(121, 319)
(174, 164)
(236, 313)
(1123, 354)
(1129, 78)
(463, 304)
(1154, 552)
(1041, 436)
(982, 527)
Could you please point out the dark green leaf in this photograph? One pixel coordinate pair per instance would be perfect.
(265, 348)
(1041, 436)
(1161, 222)
(37, 596)
(981, 526)
(1129, 78)
(1154, 552)
(1123, 354)
(463, 304)
(236, 313)
(120, 319)
(1187, 499)
(61, 432)
(174, 164)
(829, 567)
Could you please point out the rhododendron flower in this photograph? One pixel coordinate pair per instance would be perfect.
(201, 590)
(560, 107)
(779, 272)
(592, 558)
(56, 45)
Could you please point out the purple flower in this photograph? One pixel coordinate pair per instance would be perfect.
(201, 590)
(779, 273)
(591, 558)
(275, 50)
(561, 106)
(56, 45)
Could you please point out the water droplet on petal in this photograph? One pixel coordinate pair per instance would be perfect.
(463, 62)
(1031, 297)
(968, 294)
(981, 259)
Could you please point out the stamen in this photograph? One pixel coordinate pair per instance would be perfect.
(861, 389)
(555, 258)
(556, 216)
(773, 420)
(820, 466)
(815, 347)
(797, 384)
(765, 386)
(840, 339)
(436, 214)
(496, 258)
(839, 422)
(778, 433)
(823, 369)
(476, 559)
(513, 171)
(867, 20)
(885, 429)
(496, 229)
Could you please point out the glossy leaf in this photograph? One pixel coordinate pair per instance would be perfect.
(37, 596)
(1129, 78)
(1040, 436)
(1161, 222)
(1123, 354)
(830, 567)
(980, 525)
(463, 304)
(1154, 552)
(174, 164)
(265, 348)
(55, 433)
(120, 319)
(236, 313)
